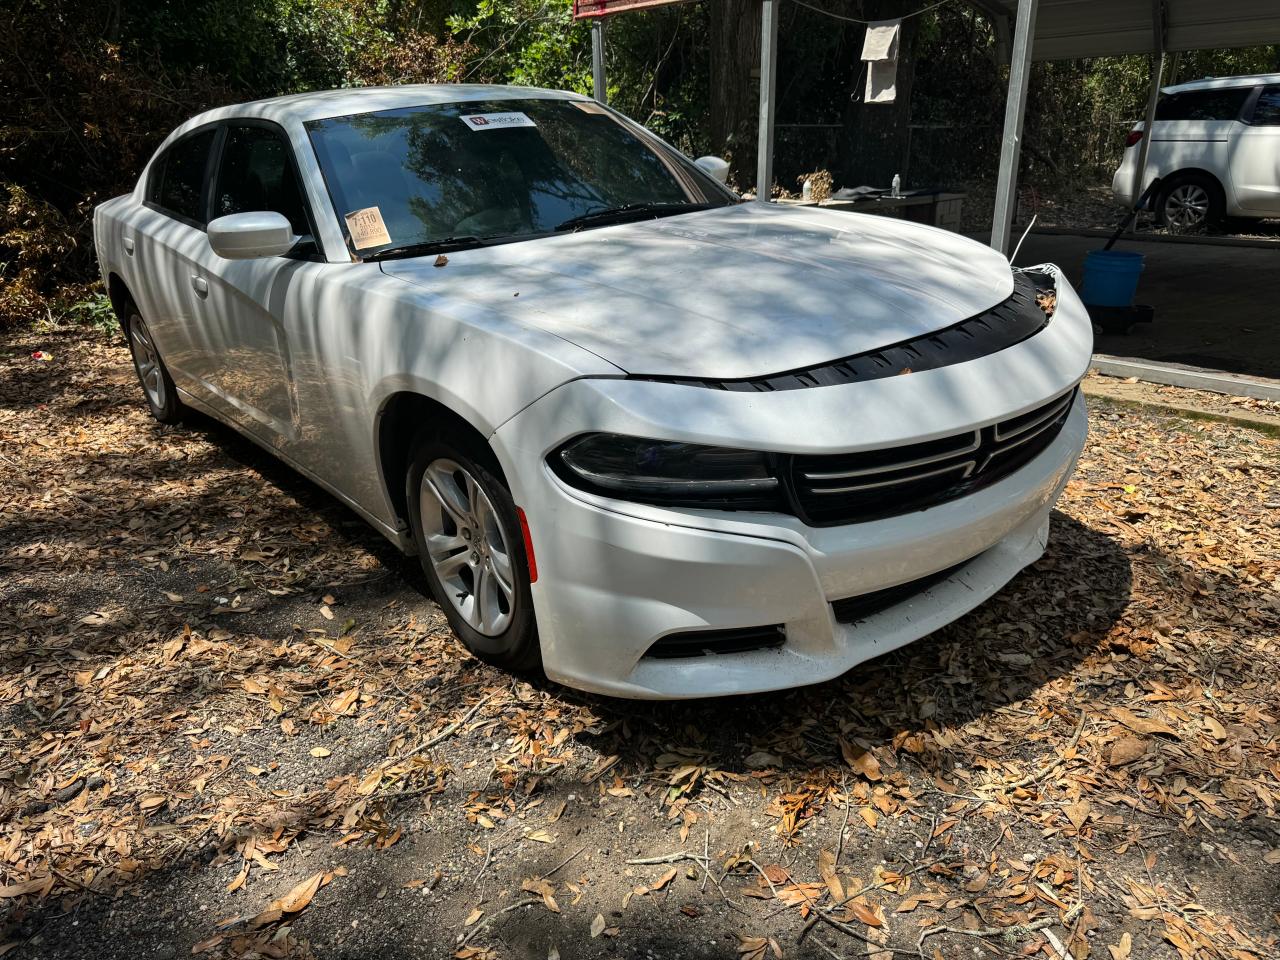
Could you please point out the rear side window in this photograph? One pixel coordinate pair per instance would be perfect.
(1222, 104)
(257, 173)
(177, 183)
(1267, 111)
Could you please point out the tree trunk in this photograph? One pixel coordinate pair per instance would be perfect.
(734, 58)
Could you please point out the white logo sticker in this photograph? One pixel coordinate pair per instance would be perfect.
(497, 121)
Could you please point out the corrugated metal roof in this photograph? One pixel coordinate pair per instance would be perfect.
(1066, 29)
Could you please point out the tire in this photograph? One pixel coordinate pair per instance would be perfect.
(1190, 201)
(468, 535)
(153, 375)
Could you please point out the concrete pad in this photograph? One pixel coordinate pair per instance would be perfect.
(1216, 307)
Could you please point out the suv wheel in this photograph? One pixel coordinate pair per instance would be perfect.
(472, 551)
(1190, 202)
(157, 385)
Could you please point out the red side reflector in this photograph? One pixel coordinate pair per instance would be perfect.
(1133, 137)
(528, 545)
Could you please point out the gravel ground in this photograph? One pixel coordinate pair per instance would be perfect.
(232, 724)
(1086, 206)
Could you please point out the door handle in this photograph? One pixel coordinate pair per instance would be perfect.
(200, 286)
(127, 243)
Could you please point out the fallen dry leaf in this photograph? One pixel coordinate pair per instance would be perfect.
(1144, 725)
(663, 880)
(861, 759)
(1126, 750)
(865, 913)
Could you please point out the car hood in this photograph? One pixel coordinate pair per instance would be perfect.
(739, 291)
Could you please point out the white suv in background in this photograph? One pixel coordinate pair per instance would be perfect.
(1215, 145)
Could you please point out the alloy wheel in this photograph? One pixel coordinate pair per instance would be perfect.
(147, 360)
(467, 547)
(1187, 206)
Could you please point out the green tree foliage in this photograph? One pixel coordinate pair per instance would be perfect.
(656, 60)
(91, 87)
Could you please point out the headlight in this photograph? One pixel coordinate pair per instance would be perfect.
(661, 471)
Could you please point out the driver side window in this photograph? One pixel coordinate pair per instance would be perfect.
(256, 173)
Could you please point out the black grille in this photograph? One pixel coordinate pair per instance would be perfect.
(852, 487)
(853, 609)
(1007, 323)
(696, 643)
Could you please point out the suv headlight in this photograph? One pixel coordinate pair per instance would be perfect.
(668, 472)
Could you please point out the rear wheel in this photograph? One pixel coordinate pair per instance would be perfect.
(1190, 202)
(157, 385)
(472, 550)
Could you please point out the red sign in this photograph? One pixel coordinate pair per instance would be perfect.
(585, 9)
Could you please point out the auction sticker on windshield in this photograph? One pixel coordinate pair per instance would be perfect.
(367, 228)
(497, 121)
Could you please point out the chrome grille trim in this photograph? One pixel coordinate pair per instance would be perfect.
(1042, 419)
(971, 447)
(966, 467)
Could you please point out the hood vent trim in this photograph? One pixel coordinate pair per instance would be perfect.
(1006, 324)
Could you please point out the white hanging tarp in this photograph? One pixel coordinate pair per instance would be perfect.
(880, 52)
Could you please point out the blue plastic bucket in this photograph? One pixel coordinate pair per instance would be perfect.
(1111, 278)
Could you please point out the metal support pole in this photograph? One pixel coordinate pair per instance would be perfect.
(599, 90)
(768, 76)
(1015, 109)
(1144, 145)
(1157, 76)
(1024, 32)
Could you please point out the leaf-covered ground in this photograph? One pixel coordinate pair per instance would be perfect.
(231, 724)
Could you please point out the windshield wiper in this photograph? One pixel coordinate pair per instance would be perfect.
(427, 247)
(628, 211)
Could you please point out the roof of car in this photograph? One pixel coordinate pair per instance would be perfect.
(1211, 83)
(317, 105)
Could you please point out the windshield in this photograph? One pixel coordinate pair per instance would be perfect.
(496, 170)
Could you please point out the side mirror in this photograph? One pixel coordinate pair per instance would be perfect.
(715, 166)
(247, 236)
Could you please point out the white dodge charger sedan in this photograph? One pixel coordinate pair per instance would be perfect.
(661, 442)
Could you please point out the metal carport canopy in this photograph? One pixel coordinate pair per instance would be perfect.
(1068, 29)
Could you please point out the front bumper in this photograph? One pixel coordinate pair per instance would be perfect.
(614, 577)
(610, 584)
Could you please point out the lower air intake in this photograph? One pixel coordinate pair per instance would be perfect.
(853, 609)
(697, 643)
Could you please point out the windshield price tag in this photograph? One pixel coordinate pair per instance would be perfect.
(366, 228)
(497, 121)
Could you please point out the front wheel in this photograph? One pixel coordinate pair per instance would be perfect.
(471, 547)
(157, 385)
